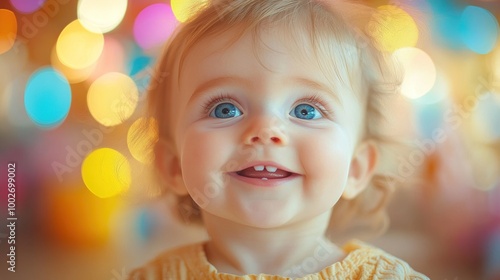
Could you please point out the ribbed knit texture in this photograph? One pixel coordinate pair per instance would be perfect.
(362, 262)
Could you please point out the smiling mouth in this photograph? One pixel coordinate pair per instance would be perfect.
(264, 173)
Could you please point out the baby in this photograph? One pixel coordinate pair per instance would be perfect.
(268, 114)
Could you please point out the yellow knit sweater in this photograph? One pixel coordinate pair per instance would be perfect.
(362, 262)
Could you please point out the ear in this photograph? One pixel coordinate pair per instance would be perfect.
(169, 167)
(362, 168)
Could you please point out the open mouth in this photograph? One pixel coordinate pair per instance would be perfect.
(264, 172)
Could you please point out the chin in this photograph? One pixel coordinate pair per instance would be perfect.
(265, 215)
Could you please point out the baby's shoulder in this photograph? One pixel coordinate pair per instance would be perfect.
(178, 263)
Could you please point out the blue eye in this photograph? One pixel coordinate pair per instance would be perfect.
(225, 111)
(305, 112)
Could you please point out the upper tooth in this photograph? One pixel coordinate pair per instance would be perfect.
(271, 168)
(258, 167)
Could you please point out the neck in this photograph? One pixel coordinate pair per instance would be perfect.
(294, 251)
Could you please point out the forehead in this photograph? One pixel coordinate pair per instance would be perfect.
(272, 49)
(231, 54)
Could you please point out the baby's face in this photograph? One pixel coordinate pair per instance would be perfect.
(263, 141)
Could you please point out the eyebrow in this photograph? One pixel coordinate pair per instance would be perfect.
(227, 80)
(233, 80)
(316, 86)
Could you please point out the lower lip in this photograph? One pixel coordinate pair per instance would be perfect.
(263, 183)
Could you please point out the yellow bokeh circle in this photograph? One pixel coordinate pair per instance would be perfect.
(112, 98)
(73, 75)
(77, 47)
(141, 138)
(419, 72)
(106, 173)
(101, 16)
(393, 28)
(183, 9)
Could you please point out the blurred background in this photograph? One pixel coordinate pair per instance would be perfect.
(73, 75)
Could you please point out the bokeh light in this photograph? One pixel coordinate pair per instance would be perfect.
(429, 118)
(146, 31)
(112, 98)
(77, 47)
(445, 22)
(47, 97)
(106, 173)
(138, 64)
(73, 75)
(478, 29)
(419, 72)
(112, 58)
(27, 6)
(59, 208)
(438, 93)
(487, 116)
(145, 224)
(141, 137)
(183, 9)
(8, 30)
(139, 67)
(101, 16)
(393, 28)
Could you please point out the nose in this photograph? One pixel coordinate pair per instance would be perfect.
(266, 132)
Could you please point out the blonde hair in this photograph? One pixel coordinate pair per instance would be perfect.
(341, 45)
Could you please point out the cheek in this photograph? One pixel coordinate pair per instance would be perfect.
(203, 155)
(326, 159)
